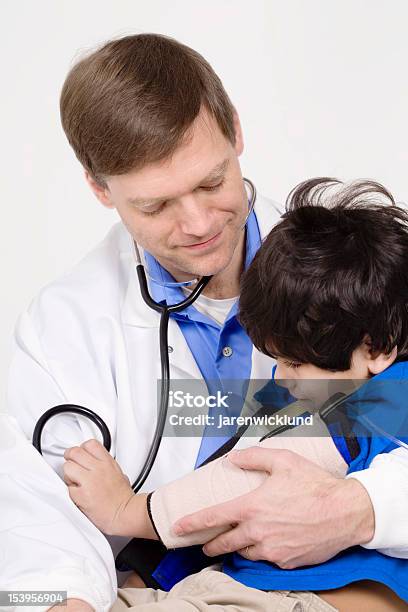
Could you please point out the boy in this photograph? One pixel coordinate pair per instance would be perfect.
(327, 296)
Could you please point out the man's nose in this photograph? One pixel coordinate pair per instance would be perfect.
(194, 217)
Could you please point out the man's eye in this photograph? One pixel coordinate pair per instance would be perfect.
(214, 187)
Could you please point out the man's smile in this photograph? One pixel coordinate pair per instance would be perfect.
(207, 244)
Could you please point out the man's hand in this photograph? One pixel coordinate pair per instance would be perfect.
(97, 485)
(301, 515)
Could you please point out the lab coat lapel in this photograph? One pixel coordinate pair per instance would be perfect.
(134, 310)
(142, 326)
(135, 313)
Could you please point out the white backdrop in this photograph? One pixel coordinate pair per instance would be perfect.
(321, 87)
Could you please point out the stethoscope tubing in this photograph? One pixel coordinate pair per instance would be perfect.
(165, 312)
(63, 408)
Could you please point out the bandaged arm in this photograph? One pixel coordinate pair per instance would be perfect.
(220, 481)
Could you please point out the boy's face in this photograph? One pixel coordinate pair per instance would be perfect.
(308, 382)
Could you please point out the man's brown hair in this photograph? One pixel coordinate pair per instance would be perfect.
(132, 101)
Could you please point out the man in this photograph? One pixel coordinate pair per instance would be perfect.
(159, 141)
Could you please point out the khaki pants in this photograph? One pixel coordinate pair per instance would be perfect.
(213, 591)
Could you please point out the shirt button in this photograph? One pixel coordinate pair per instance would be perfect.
(227, 351)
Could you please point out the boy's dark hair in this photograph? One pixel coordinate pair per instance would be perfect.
(132, 101)
(332, 272)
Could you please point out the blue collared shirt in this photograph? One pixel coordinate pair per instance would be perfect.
(206, 340)
(379, 416)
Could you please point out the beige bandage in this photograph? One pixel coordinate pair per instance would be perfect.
(220, 481)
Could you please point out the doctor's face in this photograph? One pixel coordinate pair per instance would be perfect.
(187, 211)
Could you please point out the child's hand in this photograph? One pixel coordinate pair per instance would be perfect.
(97, 485)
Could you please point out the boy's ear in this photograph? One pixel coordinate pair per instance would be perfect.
(101, 192)
(378, 362)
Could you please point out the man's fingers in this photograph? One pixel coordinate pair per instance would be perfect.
(249, 552)
(256, 458)
(230, 541)
(221, 515)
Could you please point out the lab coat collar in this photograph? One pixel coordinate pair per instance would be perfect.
(134, 310)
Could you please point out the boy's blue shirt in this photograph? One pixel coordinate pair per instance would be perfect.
(385, 408)
(382, 400)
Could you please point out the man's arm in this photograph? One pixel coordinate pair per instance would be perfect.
(301, 515)
(53, 545)
(386, 482)
(37, 381)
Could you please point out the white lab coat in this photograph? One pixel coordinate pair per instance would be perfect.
(89, 339)
(46, 543)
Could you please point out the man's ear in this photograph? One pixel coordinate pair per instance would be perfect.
(378, 362)
(101, 192)
(239, 138)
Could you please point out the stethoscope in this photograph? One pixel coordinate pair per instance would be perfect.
(165, 311)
